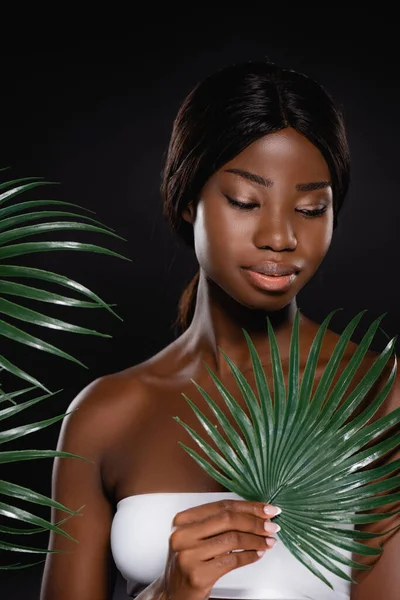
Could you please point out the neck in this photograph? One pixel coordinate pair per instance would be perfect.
(218, 322)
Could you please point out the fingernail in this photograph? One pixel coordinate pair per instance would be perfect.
(260, 552)
(272, 510)
(270, 542)
(271, 527)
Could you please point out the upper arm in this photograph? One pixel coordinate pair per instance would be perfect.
(84, 571)
(382, 582)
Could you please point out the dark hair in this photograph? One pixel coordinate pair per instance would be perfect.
(223, 115)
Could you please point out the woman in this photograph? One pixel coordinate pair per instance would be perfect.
(256, 173)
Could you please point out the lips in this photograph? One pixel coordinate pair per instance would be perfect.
(275, 269)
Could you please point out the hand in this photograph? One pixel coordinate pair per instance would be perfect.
(203, 542)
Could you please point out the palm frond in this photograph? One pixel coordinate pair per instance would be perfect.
(23, 232)
(307, 452)
(11, 395)
(26, 291)
(19, 221)
(15, 226)
(7, 222)
(16, 491)
(11, 368)
(16, 189)
(16, 271)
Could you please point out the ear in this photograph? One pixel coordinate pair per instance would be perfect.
(188, 213)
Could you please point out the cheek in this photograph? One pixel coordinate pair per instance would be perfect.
(317, 240)
(202, 235)
(217, 236)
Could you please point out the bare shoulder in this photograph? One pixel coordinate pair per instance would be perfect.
(105, 406)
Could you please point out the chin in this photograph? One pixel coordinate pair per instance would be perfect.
(271, 307)
(265, 302)
(258, 299)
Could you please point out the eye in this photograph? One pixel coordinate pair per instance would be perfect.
(314, 212)
(241, 205)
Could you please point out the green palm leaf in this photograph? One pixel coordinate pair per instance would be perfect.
(31, 316)
(14, 227)
(16, 224)
(307, 452)
(11, 395)
(32, 273)
(17, 432)
(6, 223)
(19, 189)
(22, 232)
(18, 566)
(11, 411)
(11, 368)
(295, 425)
(233, 436)
(22, 455)
(32, 247)
(26, 291)
(25, 494)
(11, 512)
(22, 206)
(27, 549)
(29, 340)
(32, 530)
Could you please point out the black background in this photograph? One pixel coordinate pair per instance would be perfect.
(94, 112)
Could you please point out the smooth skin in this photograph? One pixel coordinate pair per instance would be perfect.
(124, 423)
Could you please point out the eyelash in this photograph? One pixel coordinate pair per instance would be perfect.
(315, 212)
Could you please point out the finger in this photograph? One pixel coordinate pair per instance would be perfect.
(202, 511)
(231, 541)
(188, 536)
(207, 573)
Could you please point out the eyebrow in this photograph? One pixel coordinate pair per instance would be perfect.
(266, 182)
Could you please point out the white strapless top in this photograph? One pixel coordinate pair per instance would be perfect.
(139, 541)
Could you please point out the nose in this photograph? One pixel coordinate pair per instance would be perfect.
(274, 231)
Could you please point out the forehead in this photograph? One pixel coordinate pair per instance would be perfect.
(287, 153)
